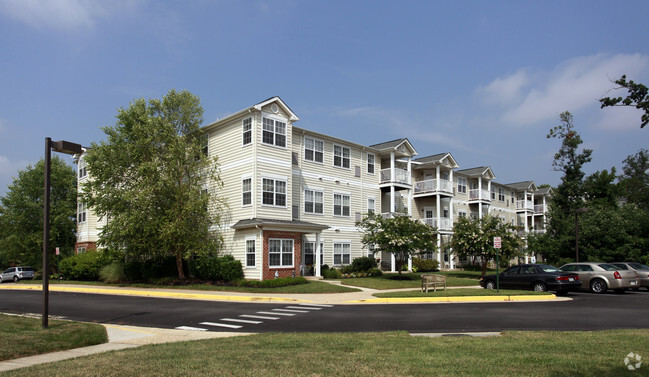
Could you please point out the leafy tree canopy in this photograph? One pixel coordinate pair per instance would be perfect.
(638, 97)
(21, 213)
(475, 238)
(154, 182)
(634, 180)
(399, 235)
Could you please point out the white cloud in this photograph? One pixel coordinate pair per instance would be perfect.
(61, 14)
(530, 97)
(619, 119)
(8, 170)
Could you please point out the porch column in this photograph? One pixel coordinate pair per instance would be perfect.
(392, 166)
(410, 263)
(527, 228)
(438, 207)
(544, 211)
(392, 203)
(409, 169)
(439, 250)
(393, 263)
(479, 197)
(437, 178)
(318, 251)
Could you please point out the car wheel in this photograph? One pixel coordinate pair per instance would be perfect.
(598, 286)
(490, 285)
(539, 287)
(15, 278)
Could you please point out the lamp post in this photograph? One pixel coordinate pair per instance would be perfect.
(577, 212)
(60, 146)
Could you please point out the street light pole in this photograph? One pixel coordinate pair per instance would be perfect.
(60, 146)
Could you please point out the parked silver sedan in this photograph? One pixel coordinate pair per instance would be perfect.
(640, 269)
(600, 277)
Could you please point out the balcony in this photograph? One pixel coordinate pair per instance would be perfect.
(430, 186)
(539, 208)
(477, 195)
(444, 223)
(524, 205)
(400, 176)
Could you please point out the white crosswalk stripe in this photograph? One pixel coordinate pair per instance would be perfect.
(227, 325)
(241, 321)
(318, 305)
(275, 313)
(291, 310)
(303, 307)
(258, 317)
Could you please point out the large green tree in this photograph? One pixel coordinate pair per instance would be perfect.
(634, 180)
(638, 97)
(474, 238)
(155, 182)
(21, 213)
(400, 236)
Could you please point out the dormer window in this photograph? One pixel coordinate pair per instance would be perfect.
(274, 132)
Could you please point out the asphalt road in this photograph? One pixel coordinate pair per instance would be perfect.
(585, 312)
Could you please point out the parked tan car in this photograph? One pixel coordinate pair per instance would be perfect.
(640, 269)
(600, 277)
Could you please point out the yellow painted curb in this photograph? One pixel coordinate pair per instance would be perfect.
(130, 292)
(393, 300)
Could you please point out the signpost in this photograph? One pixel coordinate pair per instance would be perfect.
(497, 246)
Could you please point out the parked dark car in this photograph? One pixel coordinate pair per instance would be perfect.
(537, 277)
(640, 269)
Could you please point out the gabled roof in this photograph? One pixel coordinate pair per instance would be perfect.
(544, 190)
(481, 171)
(395, 145)
(440, 158)
(276, 99)
(525, 185)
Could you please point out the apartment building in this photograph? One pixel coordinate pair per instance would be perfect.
(294, 195)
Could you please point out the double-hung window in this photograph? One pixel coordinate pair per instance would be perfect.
(274, 192)
(82, 169)
(247, 131)
(501, 194)
(309, 253)
(313, 202)
(341, 205)
(342, 253)
(280, 253)
(371, 203)
(274, 132)
(461, 185)
(341, 156)
(81, 212)
(251, 256)
(370, 163)
(246, 192)
(313, 150)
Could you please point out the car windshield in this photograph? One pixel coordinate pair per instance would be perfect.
(548, 268)
(608, 267)
(639, 266)
(621, 266)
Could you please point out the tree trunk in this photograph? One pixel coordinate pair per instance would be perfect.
(179, 266)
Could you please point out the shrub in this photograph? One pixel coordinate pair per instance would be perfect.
(148, 269)
(112, 273)
(374, 272)
(272, 283)
(85, 266)
(424, 265)
(331, 273)
(217, 268)
(363, 264)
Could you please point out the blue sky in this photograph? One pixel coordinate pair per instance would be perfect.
(482, 80)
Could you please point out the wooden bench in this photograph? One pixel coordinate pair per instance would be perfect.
(432, 280)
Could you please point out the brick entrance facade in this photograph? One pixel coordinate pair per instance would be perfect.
(269, 273)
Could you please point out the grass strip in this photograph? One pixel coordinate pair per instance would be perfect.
(311, 287)
(461, 292)
(599, 353)
(23, 336)
(413, 280)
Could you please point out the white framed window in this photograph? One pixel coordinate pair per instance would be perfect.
(501, 194)
(246, 128)
(309, 253)
(81, 212)
(313, 150)
(461, 214)
(246, 192)
(342, 204)
(461, 185)
(82, 169)
(81, 249)
(251, 254)
(274, 192)
(341, 156)
(512, 196)
(205, 144)
(493, 194)
(274, 132)
(371, 205)
(280, 253)
(342, 253)
(313, 201)
(370, 163)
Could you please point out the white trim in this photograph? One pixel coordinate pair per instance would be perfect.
(245, 161)
(281, 253)
(304, 149)
(252, 133)
(342, 151)
(273, 161)
(356, 183)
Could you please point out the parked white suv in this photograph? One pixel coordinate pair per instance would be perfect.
(17, 273)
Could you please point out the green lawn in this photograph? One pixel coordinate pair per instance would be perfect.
(526, 354)
(453, 279)
(22, 336)
(458, 293)
(312, 286)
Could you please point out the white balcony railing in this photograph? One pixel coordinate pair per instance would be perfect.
(525, 205)
(477, 194)
(444, 223)
(539, 208)
(430, 185)
(400, 176)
